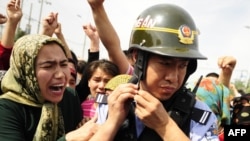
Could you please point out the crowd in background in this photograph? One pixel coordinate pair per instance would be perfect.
(30, 73)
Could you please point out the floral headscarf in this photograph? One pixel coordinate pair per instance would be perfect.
(20, 85)
(216, 96)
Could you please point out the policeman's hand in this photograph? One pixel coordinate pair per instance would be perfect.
(3, 19)
(14, 11)
(119, 102)
(150, 110)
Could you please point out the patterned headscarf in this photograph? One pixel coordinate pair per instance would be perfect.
(20, 85)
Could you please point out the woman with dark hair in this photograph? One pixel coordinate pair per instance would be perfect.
(96, 75)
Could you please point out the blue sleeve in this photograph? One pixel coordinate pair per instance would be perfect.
(102, 111)
(207, 132)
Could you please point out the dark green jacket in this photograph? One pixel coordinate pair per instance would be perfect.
(18, 122)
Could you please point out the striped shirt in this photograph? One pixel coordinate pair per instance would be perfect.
(88, 107)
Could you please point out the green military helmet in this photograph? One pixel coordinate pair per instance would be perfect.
(167, 30)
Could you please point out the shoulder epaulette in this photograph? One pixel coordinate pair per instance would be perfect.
(200, 116)
(101, 98)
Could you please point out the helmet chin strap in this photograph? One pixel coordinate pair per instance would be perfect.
(190, 69)
(141, 64)
(140, 67)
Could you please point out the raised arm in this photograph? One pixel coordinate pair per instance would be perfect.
(227, 65)
(108, 35)
(93, 51)
(50, 26)
(14, 16)
(59, 35)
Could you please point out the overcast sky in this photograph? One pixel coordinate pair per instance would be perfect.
(222, 24)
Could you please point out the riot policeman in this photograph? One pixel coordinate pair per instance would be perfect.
(157, 106)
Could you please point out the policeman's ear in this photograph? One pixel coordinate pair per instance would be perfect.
(134, 53)
(192, 66)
